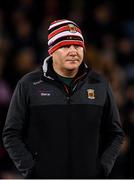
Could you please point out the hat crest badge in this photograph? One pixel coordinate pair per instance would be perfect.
(72, 28)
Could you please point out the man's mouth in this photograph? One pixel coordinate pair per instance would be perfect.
(73, 60)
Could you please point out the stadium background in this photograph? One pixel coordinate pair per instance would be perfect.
(108, 28)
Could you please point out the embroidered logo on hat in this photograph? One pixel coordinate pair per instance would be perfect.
(72, 28)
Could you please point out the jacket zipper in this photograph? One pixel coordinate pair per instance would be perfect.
(67, 93)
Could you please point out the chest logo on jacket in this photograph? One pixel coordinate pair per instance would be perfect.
(44, 93)
(91, 93)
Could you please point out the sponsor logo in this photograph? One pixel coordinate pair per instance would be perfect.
(45, 93)
(37, 82)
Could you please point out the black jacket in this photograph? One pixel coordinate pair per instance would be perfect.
(53, 131)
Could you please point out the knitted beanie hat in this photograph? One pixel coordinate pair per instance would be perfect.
(63, 32)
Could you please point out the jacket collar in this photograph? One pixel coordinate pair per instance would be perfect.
(49, 72)
(45, 67)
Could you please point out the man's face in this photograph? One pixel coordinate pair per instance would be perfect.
(68, 58)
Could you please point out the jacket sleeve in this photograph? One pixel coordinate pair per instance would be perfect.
(111, 136)
(14, 129)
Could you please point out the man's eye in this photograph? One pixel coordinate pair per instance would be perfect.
(76, 46)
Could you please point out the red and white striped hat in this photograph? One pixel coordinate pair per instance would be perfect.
(63, 32)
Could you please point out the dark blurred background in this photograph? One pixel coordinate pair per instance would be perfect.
(108, 28)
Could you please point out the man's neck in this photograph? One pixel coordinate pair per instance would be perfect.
(66, 73)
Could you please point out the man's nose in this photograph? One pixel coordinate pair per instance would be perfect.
(72, 49)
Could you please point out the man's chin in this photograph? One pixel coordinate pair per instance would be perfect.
(72, 68)
(73, 63)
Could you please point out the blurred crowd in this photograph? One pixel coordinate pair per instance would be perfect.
(108, 28)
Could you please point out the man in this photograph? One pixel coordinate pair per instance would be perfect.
(62, 121)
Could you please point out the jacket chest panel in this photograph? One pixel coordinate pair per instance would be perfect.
(92, 94)
(46, 94)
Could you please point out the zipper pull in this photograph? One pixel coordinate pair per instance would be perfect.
(68, 99)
